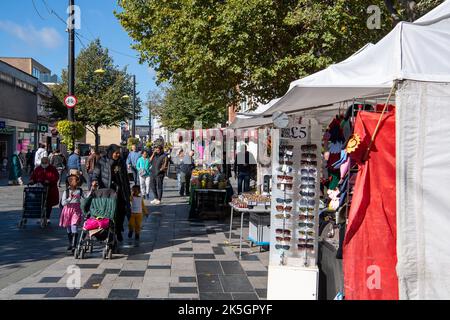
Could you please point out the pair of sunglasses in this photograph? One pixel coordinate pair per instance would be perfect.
(308, 186)
(285, 169)
(306, 217)
(308, 163)
(308, 172)
(287, 239)
(287, 162)
(306, 225)
(279, 200)
(307, 209)
(309, 147)
(283, 208)
(309, 156)
(284, 186)
(283, 216)
(304, 202)
(306, 246)
(287, 178)
(286, 147)
(283, 231)
(308, 179)
(309, 241)
(307, 194)
(307, 232)
(282, 247)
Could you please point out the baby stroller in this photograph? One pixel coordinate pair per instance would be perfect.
(99, 211)
(34, 204)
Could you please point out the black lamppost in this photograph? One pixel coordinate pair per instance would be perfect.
(71, 71)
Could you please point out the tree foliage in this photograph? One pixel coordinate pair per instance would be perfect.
(101, 101)
(220, 51)
(179, 108)
(70, 131)
(409, 10)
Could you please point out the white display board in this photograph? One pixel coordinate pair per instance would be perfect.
(292, 283)
(296, 163)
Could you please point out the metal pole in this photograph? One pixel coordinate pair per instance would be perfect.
(149, 123)
(71, 89)
(133, 133)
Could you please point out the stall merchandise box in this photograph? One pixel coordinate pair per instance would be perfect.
(259, 228)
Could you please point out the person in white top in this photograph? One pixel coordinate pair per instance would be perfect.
(138, 209)
(40, 153)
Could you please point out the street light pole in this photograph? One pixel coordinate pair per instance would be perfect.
(149, 124)
(71, 75)
(133, 132)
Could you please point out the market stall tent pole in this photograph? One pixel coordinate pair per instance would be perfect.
(379, 121)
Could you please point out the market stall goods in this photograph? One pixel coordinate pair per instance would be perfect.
(251, 201)
(208, 179)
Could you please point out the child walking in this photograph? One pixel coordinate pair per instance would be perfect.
(137, 210)
(71, 214)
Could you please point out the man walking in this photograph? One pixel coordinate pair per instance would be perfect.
(132, 159)
(59, 162)
(74, 163)
(186, 167)
(243, 165)
(40, 153)
(92, 160)
(160, 164)
(29, 161)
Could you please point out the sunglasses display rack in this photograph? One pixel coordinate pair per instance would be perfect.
(295, 194)
(296, 167)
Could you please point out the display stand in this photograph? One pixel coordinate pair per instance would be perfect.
(294, 212)
(242, 211)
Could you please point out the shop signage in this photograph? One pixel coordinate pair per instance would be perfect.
(43, 127)
(7, 130)
(298, 132)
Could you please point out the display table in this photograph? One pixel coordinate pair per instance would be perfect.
(207, 201)
(243, 211)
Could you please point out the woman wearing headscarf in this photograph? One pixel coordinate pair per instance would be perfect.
(111, 172)
(15, 171)
(47, 175)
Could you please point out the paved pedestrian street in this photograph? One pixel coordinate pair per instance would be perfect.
(176, 258)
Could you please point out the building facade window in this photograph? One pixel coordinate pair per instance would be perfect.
(36, 72)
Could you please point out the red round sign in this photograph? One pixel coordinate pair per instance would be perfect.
(70, 101)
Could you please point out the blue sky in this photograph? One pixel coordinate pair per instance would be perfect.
(36, 33)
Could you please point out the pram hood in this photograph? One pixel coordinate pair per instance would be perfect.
(100, 203)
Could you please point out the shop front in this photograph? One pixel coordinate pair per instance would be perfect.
(18, 110)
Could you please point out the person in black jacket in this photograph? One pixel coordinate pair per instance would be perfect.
(111, 172)
(185, 169)
(160, 163)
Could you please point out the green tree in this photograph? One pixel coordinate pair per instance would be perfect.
(223, 50)
(101, 97)
(179, 108)
(409, 10)
(70, 132)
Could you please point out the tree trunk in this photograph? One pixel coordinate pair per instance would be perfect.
(96, 138)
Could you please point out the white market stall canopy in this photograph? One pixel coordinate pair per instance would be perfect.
(415, 51)
(252, 119)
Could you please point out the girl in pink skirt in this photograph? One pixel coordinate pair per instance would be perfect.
(71, 214)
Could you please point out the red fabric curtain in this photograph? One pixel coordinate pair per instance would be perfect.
(370, 255)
